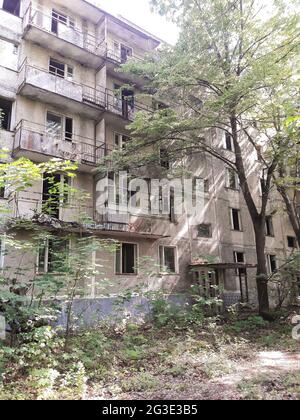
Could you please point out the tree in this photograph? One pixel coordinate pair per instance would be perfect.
(232, 61)
(287, 178)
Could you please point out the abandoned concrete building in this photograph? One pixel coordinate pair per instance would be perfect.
(58, 82)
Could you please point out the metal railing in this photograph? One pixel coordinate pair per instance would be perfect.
(64, 30)
(106, 99)
(37, 138)
(45, 80)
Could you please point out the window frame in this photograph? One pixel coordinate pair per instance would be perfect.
(269, 228)
(209, 226)
(46, 248)
(239, 219)
(68, 70)
(229, 174)
(162, 266)
(18, 9)
(269, 263)
(63, 135)
(136, 257)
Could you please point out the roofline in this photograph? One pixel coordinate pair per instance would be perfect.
(130, 25)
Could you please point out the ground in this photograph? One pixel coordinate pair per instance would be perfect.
(231, 360)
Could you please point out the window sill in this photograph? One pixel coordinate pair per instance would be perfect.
(233, 189)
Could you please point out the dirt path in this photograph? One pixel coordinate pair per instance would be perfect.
(269, 371)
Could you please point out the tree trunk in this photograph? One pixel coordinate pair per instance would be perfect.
(291, 211)
(262, 274)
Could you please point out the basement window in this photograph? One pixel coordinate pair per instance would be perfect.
(5, 114)
(236, 223)
(167, 257)
(126, 259)
(12, 6)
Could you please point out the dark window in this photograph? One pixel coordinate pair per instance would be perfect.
(236, 222)
(126, 259)
(292, 243)
(167, 259)
(2, 192)
(69, 129)
(172, 206)
(5, 114)
(204, 231)
(12, 6)
(269, 226)
(164, 158)
(272, 263)
(228, 142)
(127, 103)
(56, 68)
(56, 18)
(126, 52)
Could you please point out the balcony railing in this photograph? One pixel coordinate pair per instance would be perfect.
(32, 137)
(101, 98)
(44, 80)
(64, 29)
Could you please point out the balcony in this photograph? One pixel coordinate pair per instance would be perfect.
(34, 142)
(40, 85)
(60, 34)
(124, 106)
(125, 225)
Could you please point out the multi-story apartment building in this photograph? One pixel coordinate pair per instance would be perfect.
(62, 97)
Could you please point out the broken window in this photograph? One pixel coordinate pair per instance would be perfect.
(127, 103)
(236, 220)
(126, 259)
(269, 226)
(5, 114)
(126, 52)
(12, 6)
(167, 256)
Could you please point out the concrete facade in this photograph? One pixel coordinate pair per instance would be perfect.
(88, 44)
